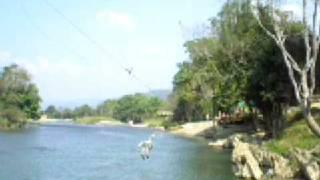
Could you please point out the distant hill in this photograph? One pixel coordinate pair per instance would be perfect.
(72, 103)
(162, 94)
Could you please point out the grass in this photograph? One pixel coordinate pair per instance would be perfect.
(93, 120)
(154, 122)
(157, 122)
(296, 135)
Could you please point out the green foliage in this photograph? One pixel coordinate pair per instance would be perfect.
(107, 108)
(217, 73)
(170, 125)
(67, 113)
(83, 111)
(12, 117)
(52, 112)
(136, 107)
(19, 97)
(154, 122)
(238, 62)
(93, 120)
(296, 136)
(131, 107)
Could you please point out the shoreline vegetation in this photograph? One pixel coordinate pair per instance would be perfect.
(19, 98)
(256, 82)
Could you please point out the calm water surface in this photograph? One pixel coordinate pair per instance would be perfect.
(89, 153)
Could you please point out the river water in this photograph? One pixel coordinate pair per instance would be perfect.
(68, 152)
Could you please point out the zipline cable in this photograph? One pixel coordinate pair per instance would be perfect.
(93, 42)
(45, 35)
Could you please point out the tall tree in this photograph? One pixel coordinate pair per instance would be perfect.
(302, 76)
(19, 97)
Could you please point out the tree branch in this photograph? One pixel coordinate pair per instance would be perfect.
(306, 36)
(292, 77)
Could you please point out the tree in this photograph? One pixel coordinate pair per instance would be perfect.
(52, 112)
(67, 113)
(107, 108)
(136, 107)
(83, 111)
(19, 97)
(302, 76)
(215, 77)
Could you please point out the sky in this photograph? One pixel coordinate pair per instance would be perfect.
(76, 51)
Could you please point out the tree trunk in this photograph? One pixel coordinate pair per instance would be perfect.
(268, 124)
(277, 120)
(313, 125)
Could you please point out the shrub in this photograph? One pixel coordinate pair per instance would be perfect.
(12, 117)
(167, 124)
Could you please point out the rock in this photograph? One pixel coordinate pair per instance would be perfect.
(229, 142)
(312, 171)
(246, 165)
(279, 165)
(252, 161)
(259, 135)
(221, 143)
(309, 162)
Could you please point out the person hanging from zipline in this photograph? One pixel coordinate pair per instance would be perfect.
(145, 147)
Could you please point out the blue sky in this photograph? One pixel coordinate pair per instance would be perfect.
(145, 35)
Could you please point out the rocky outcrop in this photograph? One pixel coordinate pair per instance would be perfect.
(245, 164)
(229, 142)
(273, 164)
(253, 162)
(309, 162)
(220, 143)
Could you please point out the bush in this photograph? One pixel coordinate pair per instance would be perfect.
(167, 124)
(4, 123)
(12, 118)
(154, 122)
(92, 120)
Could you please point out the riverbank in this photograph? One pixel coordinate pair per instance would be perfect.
(191, 129)
(294, 155)
(97, 120)
(203, 129)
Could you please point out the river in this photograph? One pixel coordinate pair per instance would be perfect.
(69, 152)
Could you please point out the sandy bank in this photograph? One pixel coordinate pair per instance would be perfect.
(192, 129)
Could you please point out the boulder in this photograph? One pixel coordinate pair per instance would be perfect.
(272, 162)
(251, 161)
(309, 162)
(229, 142)
(220, 143)
(245, 164)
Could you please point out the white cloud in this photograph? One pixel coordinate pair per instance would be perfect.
(117, 19)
